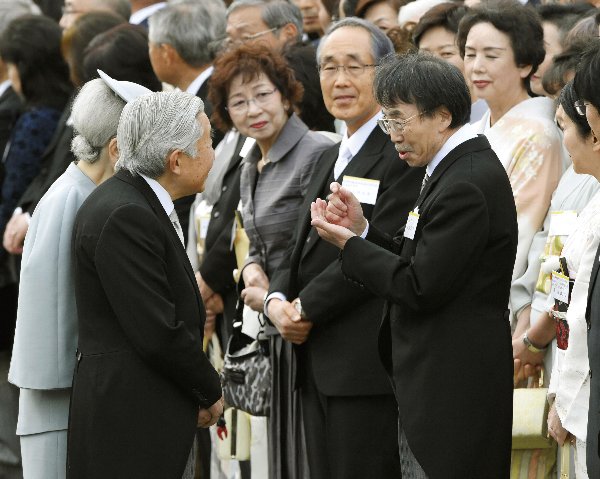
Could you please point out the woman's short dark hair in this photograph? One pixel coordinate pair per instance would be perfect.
(521, 24)
(250, 60)
(563, 17)
(446, 15)
(77, 37)
(122, 53)
(425, 81)
(563, 65)
(567, 99)
(587, 74)
(32, 44)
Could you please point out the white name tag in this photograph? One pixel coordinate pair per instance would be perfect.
(364, 189)
(411, 225)
(562, 223)
(560, 287)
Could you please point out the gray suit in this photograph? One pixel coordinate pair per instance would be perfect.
(46, 334)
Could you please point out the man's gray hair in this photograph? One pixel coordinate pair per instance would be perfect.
(95, 114)
(11, 9)
(381, 45)
(154, 125)
(193, 29)
(275, 14)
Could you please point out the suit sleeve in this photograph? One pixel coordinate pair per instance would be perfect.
(219, 262)
(389, 214)
(130, 260)
(453, 236)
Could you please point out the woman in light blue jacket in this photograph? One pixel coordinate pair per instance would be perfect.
(46, 333)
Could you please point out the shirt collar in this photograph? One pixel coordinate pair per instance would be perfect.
(163, 195)
(355, 142)
(146, 12)
(465, 133)
(195, 86)
(5, 85)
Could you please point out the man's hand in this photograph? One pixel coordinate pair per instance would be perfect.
(332, 233)
(214, 304)
(555, 427)
(254, 297)
(14, 234)
(288, 321)
(254, 275)
(210, 416)
(344, 209)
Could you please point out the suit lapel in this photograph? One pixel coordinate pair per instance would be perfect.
(319, 181)
(140, 184)
(593, 278)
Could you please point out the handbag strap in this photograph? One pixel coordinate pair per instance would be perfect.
(565, 460)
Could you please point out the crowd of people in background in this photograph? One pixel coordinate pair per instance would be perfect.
(300, 95)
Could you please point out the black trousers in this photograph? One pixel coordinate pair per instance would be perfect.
(349, 437)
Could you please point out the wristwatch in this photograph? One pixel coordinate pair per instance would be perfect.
(530, 346)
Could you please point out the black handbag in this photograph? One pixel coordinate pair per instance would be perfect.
(246, 376)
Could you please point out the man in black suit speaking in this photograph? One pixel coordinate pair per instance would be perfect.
(142, 382)
(445, 337)
(340, 373)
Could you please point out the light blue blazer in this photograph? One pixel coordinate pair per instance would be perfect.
(45, 343)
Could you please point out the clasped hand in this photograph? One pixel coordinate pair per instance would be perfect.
(339, 219)
(288, 321)
(210, 416)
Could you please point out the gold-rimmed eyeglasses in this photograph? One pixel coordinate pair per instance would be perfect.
(249, 38)
(240, 106)
(354, 70)
(391, 125)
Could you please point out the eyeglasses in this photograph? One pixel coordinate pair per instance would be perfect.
(580, 107)
(354, 70)
(69, 10)
(389, 125)
(261, 99)
(249, 38)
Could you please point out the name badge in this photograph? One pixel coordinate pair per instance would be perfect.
(560, 287)
(411, 224)
(562, 223)
(364, 189)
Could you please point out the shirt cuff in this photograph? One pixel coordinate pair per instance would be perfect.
(274, 295)
(19, 211)
(365, 232)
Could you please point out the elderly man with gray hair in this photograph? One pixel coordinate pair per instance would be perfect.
(142, 383)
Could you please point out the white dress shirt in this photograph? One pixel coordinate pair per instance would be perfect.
(195, 86)
(146, 12)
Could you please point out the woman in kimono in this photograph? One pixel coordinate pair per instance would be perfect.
(503, 45)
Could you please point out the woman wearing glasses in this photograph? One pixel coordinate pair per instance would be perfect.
(254, 91)
(502, 47)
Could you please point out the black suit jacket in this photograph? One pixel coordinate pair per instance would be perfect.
(342, 345)
(445, 339)
(11, 107)
(219, 258)
(592, 316)
(141, 373)
(55, 161)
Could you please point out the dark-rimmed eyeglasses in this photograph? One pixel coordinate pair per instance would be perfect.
(391, 125)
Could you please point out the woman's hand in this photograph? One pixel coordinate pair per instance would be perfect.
(254, 297)
(555, 427)
(254, 275)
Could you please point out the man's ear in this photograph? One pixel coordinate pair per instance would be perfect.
(288, 33)
(170, 55)
(173, 162)
(445, 118)
(113, 151)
